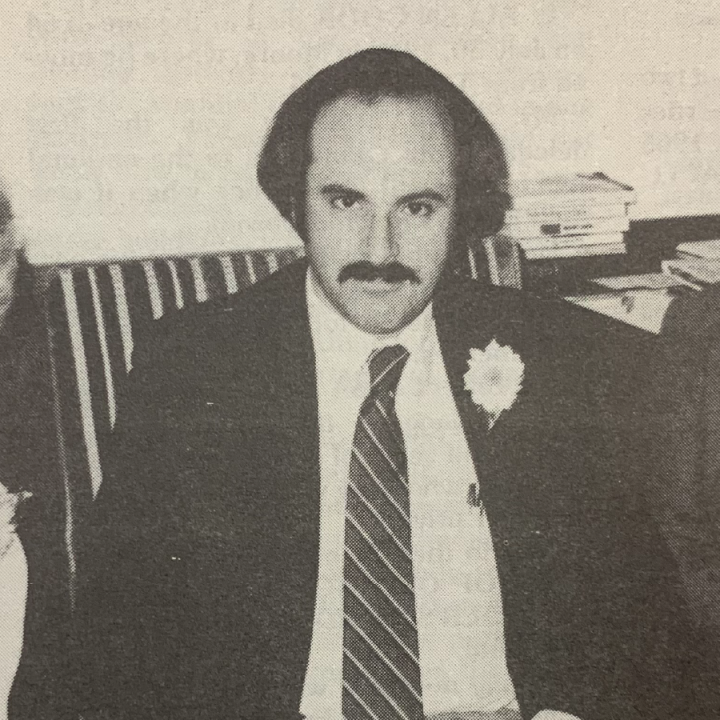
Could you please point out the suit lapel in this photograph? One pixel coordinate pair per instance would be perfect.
(468, 316)
(286, 484)
(460, 327)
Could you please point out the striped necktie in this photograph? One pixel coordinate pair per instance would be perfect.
(381, 670)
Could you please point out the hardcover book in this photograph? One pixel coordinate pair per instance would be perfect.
(570, 190)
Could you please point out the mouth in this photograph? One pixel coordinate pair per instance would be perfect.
(378, 286)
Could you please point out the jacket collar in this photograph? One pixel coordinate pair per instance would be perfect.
(466, 317)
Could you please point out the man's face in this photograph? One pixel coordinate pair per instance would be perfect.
(380, 213)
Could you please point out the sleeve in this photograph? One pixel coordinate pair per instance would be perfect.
(128, 583)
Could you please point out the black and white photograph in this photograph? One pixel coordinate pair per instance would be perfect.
(359, 361)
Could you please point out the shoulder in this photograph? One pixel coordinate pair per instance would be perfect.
(575, 352)
(551, 318)
(237, 325)
(226, 350)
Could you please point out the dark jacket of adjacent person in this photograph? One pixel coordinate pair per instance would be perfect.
(28, 461)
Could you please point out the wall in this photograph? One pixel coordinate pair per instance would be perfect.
(132, 126)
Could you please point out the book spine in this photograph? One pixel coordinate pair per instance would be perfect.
(567, 227)
(547, 215)
(552, 202)
(578, 251)
(570, 241)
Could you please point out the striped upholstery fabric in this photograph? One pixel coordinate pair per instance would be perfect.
(94, 314)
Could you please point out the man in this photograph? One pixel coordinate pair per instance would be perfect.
(370, 489)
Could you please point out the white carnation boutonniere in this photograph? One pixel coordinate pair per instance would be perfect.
(494, 378)
(8, 505)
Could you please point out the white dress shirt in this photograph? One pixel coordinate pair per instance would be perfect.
(457, 592)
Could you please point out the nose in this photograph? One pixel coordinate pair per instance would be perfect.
(382, 244)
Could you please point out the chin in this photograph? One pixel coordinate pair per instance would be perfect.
(376, 324)
(382, 315)
(375, 329)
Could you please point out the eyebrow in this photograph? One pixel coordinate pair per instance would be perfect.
(427, 194)
(335, 189)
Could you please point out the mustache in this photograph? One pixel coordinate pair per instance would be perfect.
(393, 272)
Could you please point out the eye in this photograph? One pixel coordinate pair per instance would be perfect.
(343, 202)
(419, 208)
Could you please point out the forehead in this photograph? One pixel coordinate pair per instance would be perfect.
(358, 142)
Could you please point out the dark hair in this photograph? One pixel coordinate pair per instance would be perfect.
(371, 74)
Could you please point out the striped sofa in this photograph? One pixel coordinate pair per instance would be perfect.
(94, 313)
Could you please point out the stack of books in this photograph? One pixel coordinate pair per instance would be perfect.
(568, 216)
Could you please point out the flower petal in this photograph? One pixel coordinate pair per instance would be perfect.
(494, 377)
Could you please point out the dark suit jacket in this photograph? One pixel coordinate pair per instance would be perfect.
(202, 558)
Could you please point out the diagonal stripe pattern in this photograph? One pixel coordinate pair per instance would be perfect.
(381, 668)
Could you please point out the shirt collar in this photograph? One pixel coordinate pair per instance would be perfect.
(344, 349)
